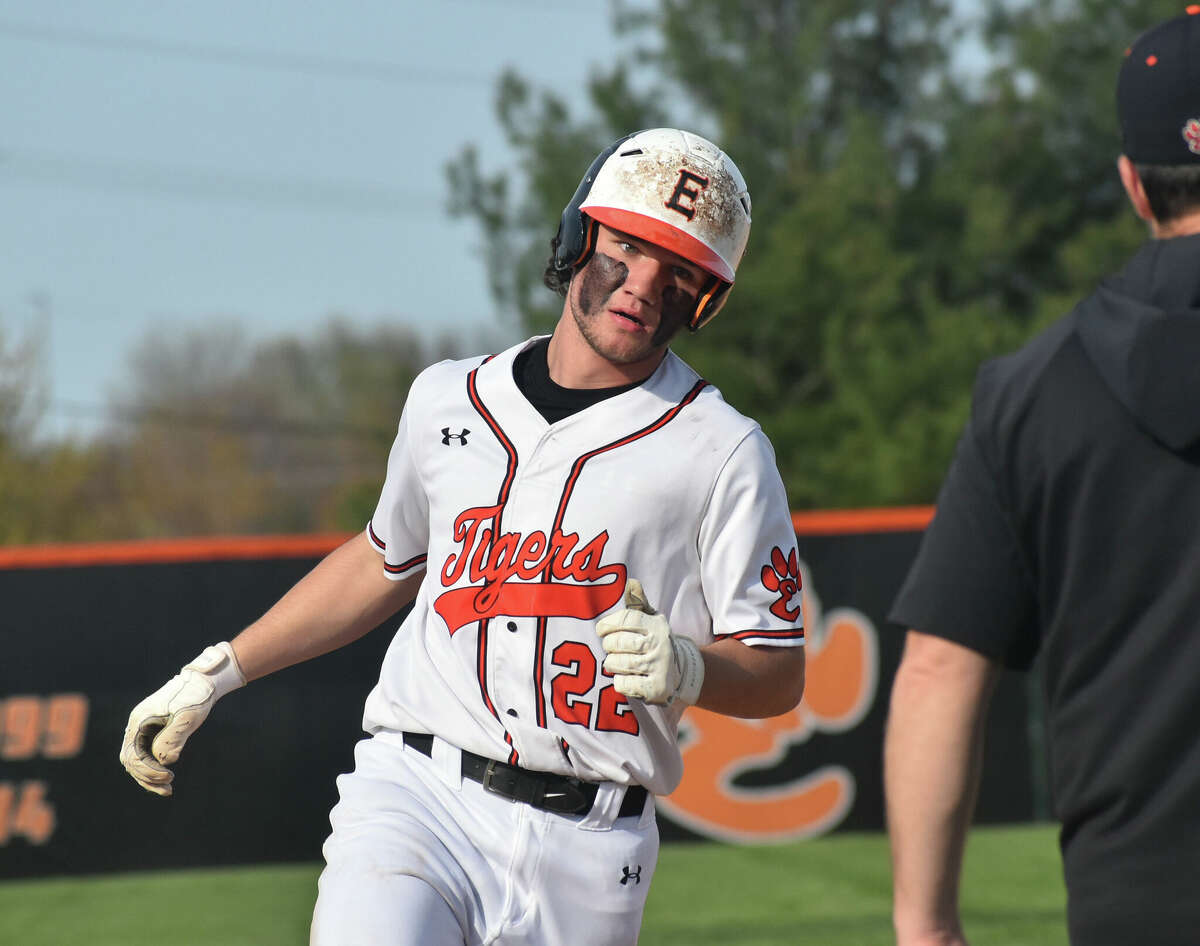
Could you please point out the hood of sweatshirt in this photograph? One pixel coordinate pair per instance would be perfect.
(1141, 329)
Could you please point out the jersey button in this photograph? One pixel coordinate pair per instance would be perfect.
(511, 712)
(512, 625)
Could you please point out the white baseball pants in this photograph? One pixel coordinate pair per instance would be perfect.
(420, 856)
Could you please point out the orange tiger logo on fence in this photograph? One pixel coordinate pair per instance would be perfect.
(841, 678)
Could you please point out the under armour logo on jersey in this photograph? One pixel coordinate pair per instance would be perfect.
(634, 875)
(461, 438)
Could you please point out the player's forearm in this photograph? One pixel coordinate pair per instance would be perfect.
(932, 762)
(346, 595)
(751, 682)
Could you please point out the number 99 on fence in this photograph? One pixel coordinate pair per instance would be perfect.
(36, 727)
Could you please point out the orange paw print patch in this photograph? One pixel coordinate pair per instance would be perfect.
(783, 576)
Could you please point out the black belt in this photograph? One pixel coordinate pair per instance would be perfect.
(558, 793)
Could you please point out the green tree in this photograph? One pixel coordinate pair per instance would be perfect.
(911, 217)
(214, 434)
(290, 435)
(39, 480)
(15, 392)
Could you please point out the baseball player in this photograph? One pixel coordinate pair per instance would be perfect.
(592, 540)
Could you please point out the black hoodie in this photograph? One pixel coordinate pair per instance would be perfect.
(1068, 527)
(1141, 329)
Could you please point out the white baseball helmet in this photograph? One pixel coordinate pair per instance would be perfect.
(671, 188)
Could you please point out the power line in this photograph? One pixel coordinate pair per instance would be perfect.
(244, 57)
(105, 174)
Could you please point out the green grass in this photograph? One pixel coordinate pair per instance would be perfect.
(836, 891)
(832, 891)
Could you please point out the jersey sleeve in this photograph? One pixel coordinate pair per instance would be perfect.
(749, 565)
(969, 582)
(399, 527)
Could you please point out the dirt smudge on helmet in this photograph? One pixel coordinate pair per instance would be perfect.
(716, 203)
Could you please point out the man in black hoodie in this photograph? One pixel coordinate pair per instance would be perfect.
(1069, 526)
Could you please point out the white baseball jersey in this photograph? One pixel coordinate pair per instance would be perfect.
(527, 532)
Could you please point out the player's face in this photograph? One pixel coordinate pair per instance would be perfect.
(631, 297)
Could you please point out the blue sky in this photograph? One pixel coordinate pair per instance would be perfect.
(265, 163)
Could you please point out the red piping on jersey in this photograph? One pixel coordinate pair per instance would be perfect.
(511, 473)
(773, 635)
(404, 566)
(501, 499)
(481, 662)
(388, 566)
(539, 651)
(624, 441)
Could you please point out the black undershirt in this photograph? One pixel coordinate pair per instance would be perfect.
(531, 371)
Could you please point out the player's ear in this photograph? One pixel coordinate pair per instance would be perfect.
(1134, 189)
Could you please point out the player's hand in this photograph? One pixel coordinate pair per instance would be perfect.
(648, 662)
(160, 724)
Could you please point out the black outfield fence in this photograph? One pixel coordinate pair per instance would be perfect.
(88, 631)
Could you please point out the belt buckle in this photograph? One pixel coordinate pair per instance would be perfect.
(517, 785)
(489, 774)
(505, 781)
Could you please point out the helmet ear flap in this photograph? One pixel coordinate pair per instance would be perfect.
(576, 237)
(708, 303)
(591, 230)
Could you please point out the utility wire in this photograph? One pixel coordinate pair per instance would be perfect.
(104, 174)
(241, 56)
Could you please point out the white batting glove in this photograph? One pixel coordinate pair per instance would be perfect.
(648, 662)
(160, 724)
